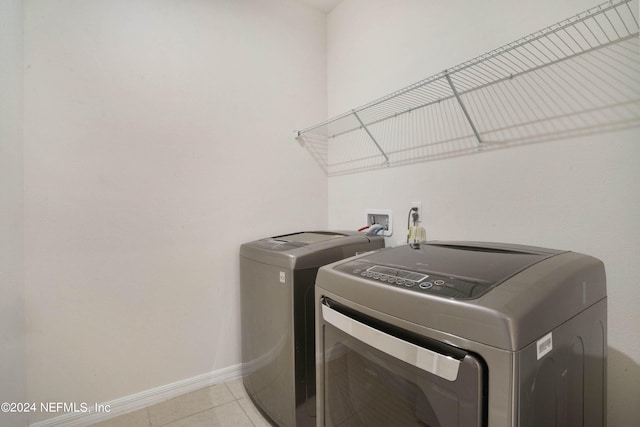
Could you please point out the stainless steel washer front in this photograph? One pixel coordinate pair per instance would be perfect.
(277, 277)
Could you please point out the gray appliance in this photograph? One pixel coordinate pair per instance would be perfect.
(277, 277)
(466, 334)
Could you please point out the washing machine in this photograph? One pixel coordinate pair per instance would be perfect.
(277, 277)
(467, 334)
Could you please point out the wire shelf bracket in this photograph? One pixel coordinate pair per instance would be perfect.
(386, 158)
(464, 109)
(577, 77)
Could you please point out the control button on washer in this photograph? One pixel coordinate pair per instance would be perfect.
(426, 285)
(438, 282)
(383, 278)
(400, 281)
(376, 275)
(392, 280)
(364, 273)
(409, 283)
(369, 274)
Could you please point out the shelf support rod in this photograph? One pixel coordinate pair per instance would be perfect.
(464, 109)
(386, 158)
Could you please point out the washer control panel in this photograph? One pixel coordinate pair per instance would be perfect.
(423, 282)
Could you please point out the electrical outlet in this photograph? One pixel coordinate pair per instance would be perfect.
(416, 232)
(382, 217)
(419, 206)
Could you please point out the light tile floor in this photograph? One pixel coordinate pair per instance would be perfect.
(225, 404)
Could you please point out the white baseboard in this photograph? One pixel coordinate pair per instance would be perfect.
(143, 399)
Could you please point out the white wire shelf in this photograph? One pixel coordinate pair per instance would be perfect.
(579, 76)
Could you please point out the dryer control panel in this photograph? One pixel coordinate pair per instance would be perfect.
(423, 282)
(458, 270)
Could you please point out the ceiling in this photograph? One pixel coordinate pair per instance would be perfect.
(323, 5)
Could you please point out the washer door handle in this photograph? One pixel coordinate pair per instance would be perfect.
(428, 360)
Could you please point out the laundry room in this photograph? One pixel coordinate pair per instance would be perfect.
(147, 145)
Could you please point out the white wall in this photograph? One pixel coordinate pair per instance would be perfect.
(158, 138)
(580, 194)
(13, 383)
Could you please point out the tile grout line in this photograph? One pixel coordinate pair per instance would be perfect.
(246, 413)
(235, 400)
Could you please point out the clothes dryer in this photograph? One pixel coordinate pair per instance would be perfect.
(461, 334)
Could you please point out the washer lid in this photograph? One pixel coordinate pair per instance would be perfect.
(308, 237)
(293, 241)
(309, 249)
(462, 269)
